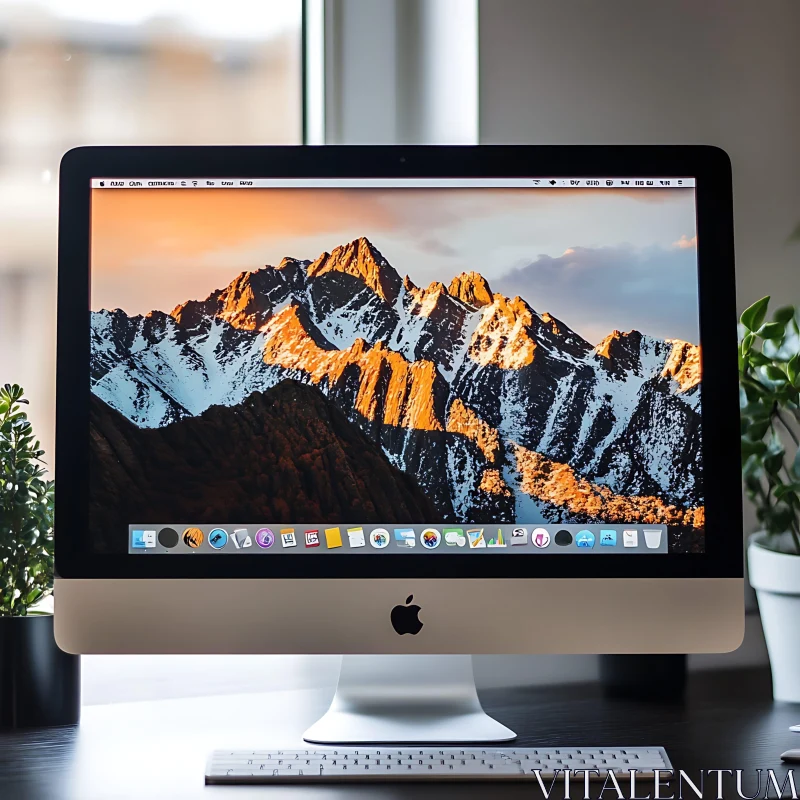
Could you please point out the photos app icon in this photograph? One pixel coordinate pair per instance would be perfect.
(430, 538)
(379, 538)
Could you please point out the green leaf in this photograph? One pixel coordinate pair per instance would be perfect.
(773, 460)
(775, 373)
(783, 314)
(781, 519)
(786, 489)
(750, 448)
(753, 317)
(33, 596)
(795, 468)
(756, 411)
(772, 330)
(754, 390)
(752, 471)
(793, 369)
(758, 428)
(758, 359)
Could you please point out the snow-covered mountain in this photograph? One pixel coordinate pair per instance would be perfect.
(486, 401)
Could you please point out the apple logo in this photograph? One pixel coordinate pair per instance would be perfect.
(405, 619)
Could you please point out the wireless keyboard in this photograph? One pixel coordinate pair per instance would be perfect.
(430, 764)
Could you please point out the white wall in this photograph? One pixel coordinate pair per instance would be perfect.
(723, 72)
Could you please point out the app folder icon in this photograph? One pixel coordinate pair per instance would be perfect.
(405, 537)
(608, 538)
(333, 538)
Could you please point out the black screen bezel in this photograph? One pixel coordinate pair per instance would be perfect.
(711, 169)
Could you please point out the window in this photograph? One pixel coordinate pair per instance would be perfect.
(76, 72)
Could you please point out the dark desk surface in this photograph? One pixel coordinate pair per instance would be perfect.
(158, 749)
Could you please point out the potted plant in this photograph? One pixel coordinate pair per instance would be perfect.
(39, 684)
(769, 394)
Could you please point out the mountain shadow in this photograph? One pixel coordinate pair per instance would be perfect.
(284, 454)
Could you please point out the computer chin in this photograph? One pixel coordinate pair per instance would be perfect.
(672, 615)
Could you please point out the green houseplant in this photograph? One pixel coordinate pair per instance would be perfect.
(26, 510)
(769, 398)
(39, 684)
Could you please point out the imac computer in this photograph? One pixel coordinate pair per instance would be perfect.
(398, 403)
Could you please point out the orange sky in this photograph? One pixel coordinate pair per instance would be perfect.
(156, 248)
(191, 242)
(130, 226)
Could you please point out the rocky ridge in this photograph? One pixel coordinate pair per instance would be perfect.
(287, 453)
(450, 381)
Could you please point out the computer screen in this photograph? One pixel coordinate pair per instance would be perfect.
(488, 367)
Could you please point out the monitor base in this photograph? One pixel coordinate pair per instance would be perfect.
(406, 699)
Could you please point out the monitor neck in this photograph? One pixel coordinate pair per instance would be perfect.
(406, 698)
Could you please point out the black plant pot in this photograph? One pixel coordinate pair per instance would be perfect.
(644, 677)
(40, 685)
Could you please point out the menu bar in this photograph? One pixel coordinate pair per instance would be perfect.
(371, 538)
(548, 182)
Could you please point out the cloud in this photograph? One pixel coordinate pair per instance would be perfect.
(595, 290)
(685, 242)
(438, 248)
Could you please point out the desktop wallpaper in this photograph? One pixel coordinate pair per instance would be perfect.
(407, 355)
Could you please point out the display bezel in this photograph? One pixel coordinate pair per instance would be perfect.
(709, 166)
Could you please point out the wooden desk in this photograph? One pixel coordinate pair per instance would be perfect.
(158, 749)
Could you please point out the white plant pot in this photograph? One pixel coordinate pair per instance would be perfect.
(776, 579)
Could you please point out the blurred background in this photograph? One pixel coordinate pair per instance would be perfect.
(77, 72)
(72, 72)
